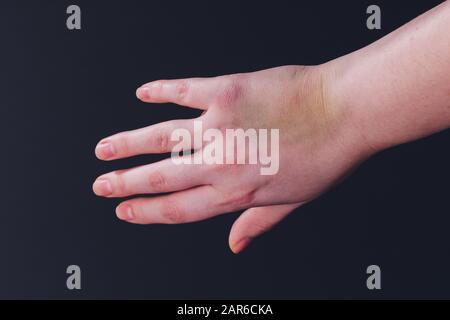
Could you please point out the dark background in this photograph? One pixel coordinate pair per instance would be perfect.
(62, 91)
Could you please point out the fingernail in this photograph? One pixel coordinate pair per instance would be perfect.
(143, 92)
(241, 245)
(126, 214)
(105, 150)
(102, 187)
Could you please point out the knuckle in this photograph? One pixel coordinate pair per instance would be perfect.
(225, 169)
(218, 170)
(171, 213)
(122, 143)
(138, 211)
(231, 92)
(120, 185)
(160, 141)
(181, 90)
(157, 182)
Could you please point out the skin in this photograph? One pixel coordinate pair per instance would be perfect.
(331, 117)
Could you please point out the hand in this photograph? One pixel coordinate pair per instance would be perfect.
(317, 147)
(329, 118)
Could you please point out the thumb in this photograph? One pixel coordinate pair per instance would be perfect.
(256, 221)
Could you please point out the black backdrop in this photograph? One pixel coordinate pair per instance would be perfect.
(61, 91)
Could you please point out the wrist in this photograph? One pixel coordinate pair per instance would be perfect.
(343, 103)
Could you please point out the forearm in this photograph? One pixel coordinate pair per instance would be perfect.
(397, 89)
